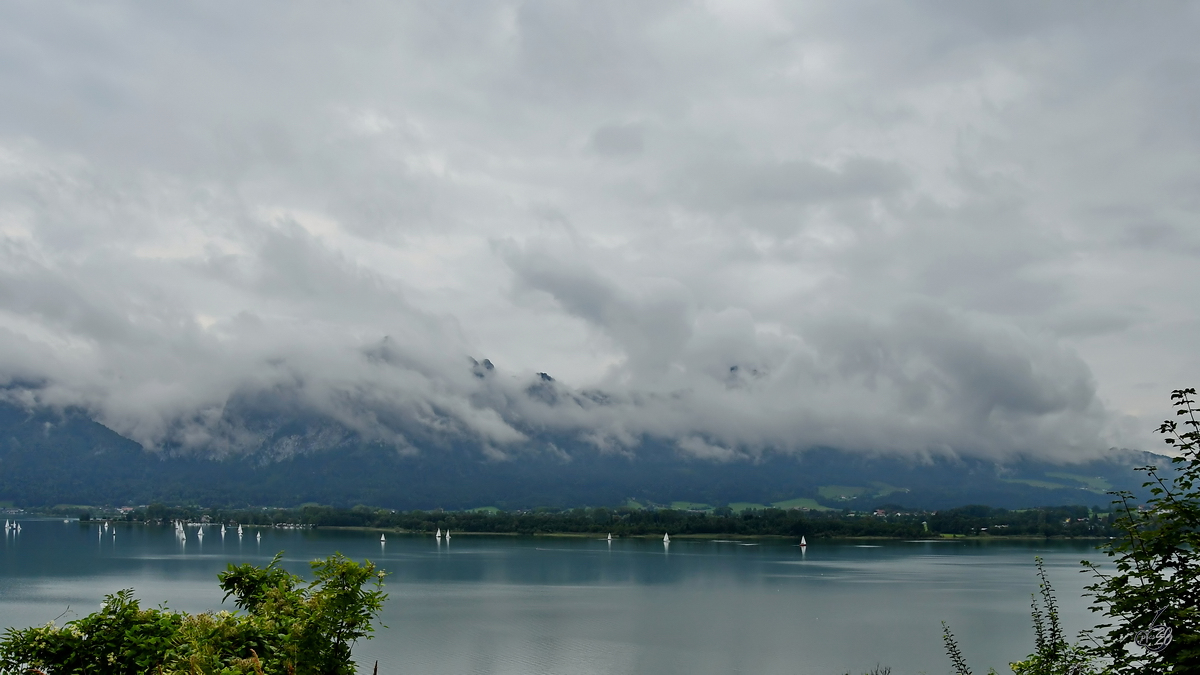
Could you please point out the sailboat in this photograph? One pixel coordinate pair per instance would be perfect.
(803, 542)
(258, 537)
(610, 536)
(439, 533)
(383, 538)
(222, 530)
(447, 535)
(200, 534)
(666, 538)
(239, 530)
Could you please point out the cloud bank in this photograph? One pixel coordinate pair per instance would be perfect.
(741, 226)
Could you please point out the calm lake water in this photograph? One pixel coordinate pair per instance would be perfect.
(568, 606)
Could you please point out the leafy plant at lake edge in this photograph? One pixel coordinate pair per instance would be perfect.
(955, 654)
(287, 627)
(1153, 595)
(1052, 655)
(121, 638)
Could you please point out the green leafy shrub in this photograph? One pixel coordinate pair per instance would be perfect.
(285, 626)
(120, 638)
(1152, 597)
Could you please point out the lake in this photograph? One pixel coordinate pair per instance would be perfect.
(567, 605)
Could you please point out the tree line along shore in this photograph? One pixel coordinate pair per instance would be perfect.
(965, 521)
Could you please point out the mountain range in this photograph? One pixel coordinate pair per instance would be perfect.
(52, 457)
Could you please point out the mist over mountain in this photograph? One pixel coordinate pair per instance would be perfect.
(958, 397)
(52, 457)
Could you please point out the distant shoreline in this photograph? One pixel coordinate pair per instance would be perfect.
(709, 536)
(968, 522)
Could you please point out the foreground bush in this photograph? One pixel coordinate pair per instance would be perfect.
(286, 626)
(1151, 598)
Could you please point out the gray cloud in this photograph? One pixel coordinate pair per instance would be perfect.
(741, 226)
(618, 140)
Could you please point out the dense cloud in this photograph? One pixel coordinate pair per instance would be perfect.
(741, 226)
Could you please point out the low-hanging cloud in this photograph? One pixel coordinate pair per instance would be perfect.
(737, 227)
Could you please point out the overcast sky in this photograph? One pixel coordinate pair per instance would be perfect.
(919, 227)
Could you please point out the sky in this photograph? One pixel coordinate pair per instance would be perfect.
(741, 226)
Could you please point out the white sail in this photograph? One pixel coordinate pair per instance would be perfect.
(610, 536)
(666, 538)
(258, 537)
(439, 533)
(382, 538)
(447, 534)
(239, 530)
(803, 542)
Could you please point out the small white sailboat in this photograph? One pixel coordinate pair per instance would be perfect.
(803, 542)
(200, 534)
(258, 537)
(222, 530)
(610, 536)
(239, 530)
(447, 535)
(666, 538)
(383, 538)
(439, 533)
